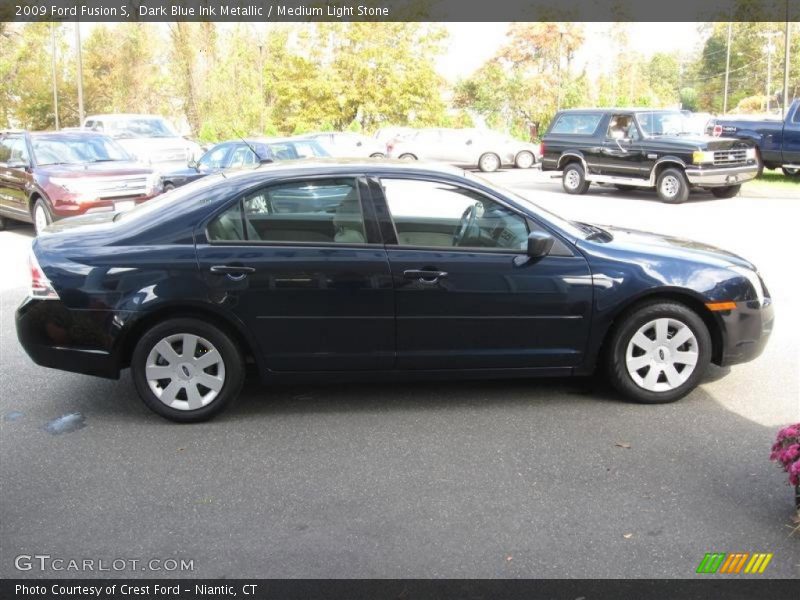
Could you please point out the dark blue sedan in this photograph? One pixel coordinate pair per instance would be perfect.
(347, 270)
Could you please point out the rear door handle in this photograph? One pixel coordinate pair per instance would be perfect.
(424, 276)
(234, 272)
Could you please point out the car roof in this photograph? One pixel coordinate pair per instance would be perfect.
(332, 166)
(71, 134)
(603, 111)
(124, 116)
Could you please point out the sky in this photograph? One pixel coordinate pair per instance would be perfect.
(470, 44)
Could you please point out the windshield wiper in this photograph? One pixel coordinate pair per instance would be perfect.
(594, 232)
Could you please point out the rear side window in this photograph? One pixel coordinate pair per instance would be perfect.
(576, 124)
(316, 211)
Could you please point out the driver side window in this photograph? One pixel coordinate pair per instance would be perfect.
(432, 213)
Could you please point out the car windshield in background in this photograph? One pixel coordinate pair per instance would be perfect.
(665, 123)
(140, 127)
(76, 150)
(297, 149)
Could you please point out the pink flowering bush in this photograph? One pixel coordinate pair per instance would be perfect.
(786, 450)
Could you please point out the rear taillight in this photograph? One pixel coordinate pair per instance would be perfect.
(40, 285)
(717, 131)
(541, 149)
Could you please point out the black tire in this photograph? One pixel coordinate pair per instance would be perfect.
(40, 205)
(789, 172)
(231, 356)
(629, 325)
(573, 179)
(726, 192)
(524, 160)
(489, 162)
(669, 180)
(169, 186)
(625, 188)
(760, 164)
(377, 155)
(407, 156)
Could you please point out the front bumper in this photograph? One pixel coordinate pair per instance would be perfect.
(746, 331)
(71, 340)
(721, 176)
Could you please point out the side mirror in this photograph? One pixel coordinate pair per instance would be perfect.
(192, 164)
(539, 244)
(469, 142)
(359, 144)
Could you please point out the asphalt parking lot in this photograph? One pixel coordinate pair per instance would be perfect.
(535, 478)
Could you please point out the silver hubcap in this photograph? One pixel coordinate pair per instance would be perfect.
(525, 160)
(185, 371)
(39, 218)
(572, 179)
(490, 163)
(670, 186)
(662, 355)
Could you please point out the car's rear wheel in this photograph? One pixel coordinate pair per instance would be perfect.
(407, 157)
(524, 160)
(658, 352)
(573, 179)
(187, 370)
(489, 162)
(377, 155)
(41, 216)
(728, 191)
(672, 186)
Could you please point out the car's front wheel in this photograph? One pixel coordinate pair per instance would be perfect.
(524, 160)
(658, 352)
(187, 370)
(672, 186)
(41, 216)
(489, 162)
(791, 171)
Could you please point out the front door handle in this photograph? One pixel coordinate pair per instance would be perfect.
(234, 272)
(424, 275)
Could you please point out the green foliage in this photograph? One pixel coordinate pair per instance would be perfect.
(688, 99)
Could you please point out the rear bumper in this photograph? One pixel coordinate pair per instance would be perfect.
(71, 340)
(746, 331)
(721, 176)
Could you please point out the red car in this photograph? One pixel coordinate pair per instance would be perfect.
(49, 176)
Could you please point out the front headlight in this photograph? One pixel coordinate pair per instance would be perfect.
(154, 183)
(755, 282)
(700, 157)
(750, 154)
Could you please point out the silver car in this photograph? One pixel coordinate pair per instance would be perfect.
(484, 149)
(349, 145)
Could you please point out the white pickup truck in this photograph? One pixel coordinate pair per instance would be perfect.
(148, 138)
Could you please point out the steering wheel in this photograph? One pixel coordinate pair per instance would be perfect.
(467, 223)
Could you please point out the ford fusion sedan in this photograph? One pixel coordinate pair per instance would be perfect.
(244, 153)
(48, 176)
(335, 270)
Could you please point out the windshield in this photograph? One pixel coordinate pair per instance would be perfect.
(76, 150)
(671, 122)
(140, 127)
(568, 227)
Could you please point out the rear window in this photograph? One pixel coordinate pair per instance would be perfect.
(577, 124)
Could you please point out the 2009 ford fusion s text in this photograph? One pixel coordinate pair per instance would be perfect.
(332, 270)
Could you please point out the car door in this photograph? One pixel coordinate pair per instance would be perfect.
(791, 138)
(15, 162)
(467, 296)
(622, 153)
(301, 264)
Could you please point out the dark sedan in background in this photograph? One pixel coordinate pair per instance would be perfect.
(403, 271)
(244, 153)
(51, 175)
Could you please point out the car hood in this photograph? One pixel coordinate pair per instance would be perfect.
(701, 142)
(99, 169)
(653, 244)
(167, 148)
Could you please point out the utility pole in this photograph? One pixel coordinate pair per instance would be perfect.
(727, 70)
(80, 72)
(769, 48)
(560, 43)
(55, 78)
(261, 86)
(786, 63)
